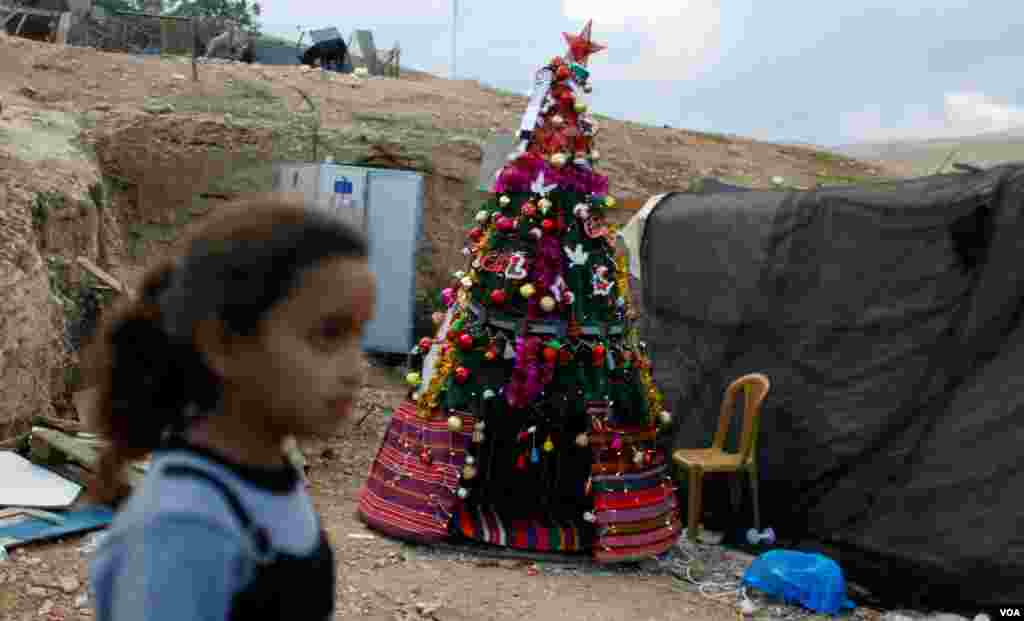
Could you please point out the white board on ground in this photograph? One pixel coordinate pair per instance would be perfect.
(25, 484)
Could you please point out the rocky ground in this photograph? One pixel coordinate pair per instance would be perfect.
(385, 580)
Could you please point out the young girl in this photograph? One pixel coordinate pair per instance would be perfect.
(251, 336)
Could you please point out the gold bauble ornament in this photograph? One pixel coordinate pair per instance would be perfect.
(527, 290)
(413, 379)
(455, 423)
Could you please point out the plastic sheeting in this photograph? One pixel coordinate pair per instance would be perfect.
(886, 317)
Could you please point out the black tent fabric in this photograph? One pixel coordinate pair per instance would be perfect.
(887, 317)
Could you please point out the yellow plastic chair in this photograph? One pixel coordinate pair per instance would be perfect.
(696, 462)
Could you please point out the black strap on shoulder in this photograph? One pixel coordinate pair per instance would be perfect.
(259, 536)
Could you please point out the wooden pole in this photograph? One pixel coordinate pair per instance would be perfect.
(63, 27)
(195, 50)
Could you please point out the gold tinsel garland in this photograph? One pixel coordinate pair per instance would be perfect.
(428, 401)
(654, 396)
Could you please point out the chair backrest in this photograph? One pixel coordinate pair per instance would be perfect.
(755, 387)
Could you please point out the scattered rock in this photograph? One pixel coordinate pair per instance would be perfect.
(178, 76)
(159, 107)
(46, 607)
(427, 608)
(36, 591)
(328, 454)
(68, 584)
(103, 107)
(28, 91)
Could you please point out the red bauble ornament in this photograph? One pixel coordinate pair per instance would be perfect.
(599, 350)
(426, 457)
(550, 354)
(548, 225)
(563, 72)
(491, 354)
(461, 375)
(521, 462)
(476, 233)
(425, 344)
(505, 224)
(498, 296)
(564, 357)
(529, 210)
(465, 342)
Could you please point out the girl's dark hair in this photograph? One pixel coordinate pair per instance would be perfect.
(239, 264)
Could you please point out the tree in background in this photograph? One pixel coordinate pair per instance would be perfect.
(243, 12)
(119, 6)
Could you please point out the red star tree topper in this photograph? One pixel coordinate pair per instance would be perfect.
(581, 46)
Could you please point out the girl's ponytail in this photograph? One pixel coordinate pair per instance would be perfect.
(145, 382)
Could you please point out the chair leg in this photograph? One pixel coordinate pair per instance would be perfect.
(692, 517)
(752, 475)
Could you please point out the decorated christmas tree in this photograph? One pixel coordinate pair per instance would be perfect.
(532, 416)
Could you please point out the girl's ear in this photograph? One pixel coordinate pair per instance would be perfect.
(217, 347)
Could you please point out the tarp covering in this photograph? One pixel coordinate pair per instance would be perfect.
(886, 317)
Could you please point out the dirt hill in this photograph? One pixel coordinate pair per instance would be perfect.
(110, 156)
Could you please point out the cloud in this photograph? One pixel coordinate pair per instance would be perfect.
(667, 39)
(961, 114)
(976, 113)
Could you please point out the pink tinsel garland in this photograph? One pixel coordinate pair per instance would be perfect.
(517, 176)
(547, 266)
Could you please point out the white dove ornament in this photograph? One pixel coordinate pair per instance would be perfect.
(538, 187)
(577, 256)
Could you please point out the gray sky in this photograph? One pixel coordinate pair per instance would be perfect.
(825, 73)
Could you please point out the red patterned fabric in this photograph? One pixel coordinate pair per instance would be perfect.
(635, 506)
(410, 492)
